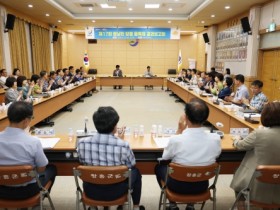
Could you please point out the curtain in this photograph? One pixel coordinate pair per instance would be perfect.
(40, 46)
(18, 47)
(1, 41)
(57, 53)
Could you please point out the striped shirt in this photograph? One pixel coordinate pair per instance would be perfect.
(105, 150)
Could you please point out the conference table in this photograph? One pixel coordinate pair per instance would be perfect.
(131, 81)
(45, 107)
(218, 113)
(65, 156)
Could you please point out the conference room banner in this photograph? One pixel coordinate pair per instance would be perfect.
(132, 33)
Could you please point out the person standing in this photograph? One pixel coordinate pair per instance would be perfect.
(117, 73)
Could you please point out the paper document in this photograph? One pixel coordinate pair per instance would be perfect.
(252, 115)
(48, 143)
(161, 142)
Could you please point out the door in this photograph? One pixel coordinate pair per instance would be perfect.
(277, 77)
(270, 73)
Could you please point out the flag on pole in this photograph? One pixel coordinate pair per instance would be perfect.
(86, 61)
(179, 61)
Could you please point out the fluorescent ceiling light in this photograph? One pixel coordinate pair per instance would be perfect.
(188, 31)
(106, 6)
(151, 6)
(76, 31)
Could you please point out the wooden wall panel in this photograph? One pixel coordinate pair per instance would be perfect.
(106, 54)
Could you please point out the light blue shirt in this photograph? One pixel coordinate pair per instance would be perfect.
(19, 148)
(241, 92)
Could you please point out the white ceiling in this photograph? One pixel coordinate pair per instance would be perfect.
(188, 15)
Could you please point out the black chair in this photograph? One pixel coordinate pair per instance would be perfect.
(92, 71)
(172, 71)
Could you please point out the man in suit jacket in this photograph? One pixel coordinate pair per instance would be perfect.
(262, 146)
(117, 73)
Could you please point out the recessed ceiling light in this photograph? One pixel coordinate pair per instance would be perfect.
(106, 6)
(151, 6)
(212, 16)
(227, 7)
(132, 21)
(93, 21)
(90, 9)
(47, 15)
(169, 21)
(30, 5)
(59, 21)
(130, 9)
(202, 21)
(170, 9)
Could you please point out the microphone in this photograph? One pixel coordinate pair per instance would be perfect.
(86, 120)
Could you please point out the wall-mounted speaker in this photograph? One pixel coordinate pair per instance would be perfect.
(206, 38)
(92, 41)
(55, 36)
(245, 25)
(10, 22)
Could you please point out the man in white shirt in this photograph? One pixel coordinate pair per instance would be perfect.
(3, 76)
(192, 146)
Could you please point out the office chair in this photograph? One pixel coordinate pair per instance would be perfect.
(16, 175)
(104, 175)
(172, 71)
(269, 174)
(190, 174)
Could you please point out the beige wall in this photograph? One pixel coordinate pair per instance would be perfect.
(159, 54)
(200, 52)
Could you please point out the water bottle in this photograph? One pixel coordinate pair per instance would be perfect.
(70, 134)
(141, 130)
(154, 130)
(159, 130)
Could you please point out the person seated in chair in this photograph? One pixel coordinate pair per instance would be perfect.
(148, 74)
(241, 92)
(262, 148)
(107, 149)
(258, 100)
(190, 147)
(117, 73)
(226, 91)
(20, 148)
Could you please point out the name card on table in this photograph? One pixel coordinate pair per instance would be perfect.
(44, 132)
(243, 132)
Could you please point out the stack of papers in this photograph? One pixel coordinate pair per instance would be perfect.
(255, 115)
(48, 143)
(161, 142)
